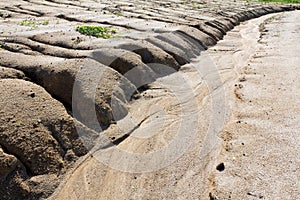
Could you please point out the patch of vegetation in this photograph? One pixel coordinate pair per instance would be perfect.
(197, 5)
(33, 23)
(96, 31)
(281, 1)
(29, 22)
(46, 22)
(119, 14)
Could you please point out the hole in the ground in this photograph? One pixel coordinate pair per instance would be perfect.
(32, 95)
(220, 167)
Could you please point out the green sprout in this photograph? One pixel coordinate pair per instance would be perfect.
(33, 23)
(29, 22)
(119, 14)
(46, 22)
(282, 1)
(96, 31)
(197, 5)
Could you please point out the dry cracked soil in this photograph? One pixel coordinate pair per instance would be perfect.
(184, 100)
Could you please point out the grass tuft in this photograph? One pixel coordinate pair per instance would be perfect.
(96, 31)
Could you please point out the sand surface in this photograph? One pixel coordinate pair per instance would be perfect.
(235, 105)
(261, 151)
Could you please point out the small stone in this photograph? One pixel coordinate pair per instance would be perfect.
(220, 167)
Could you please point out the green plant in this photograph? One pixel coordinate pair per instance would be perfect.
(197, 5)
(282, 1)
(29, 22)
(33, 23)
(119, 14)
(96, 31)
(46, 22)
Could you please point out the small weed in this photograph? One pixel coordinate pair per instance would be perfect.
(96, 31)
(29, 22)
(33, 23)
(281, 1)
(119, 14)
(46, 22)
(197, 5)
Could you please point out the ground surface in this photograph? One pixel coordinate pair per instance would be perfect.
(258, 143)
(168, 108)
(262, 156)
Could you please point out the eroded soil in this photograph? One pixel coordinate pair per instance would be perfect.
(149, 85)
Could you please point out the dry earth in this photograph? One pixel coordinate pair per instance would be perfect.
(231, 155)
(160, 98)
(261, 151)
